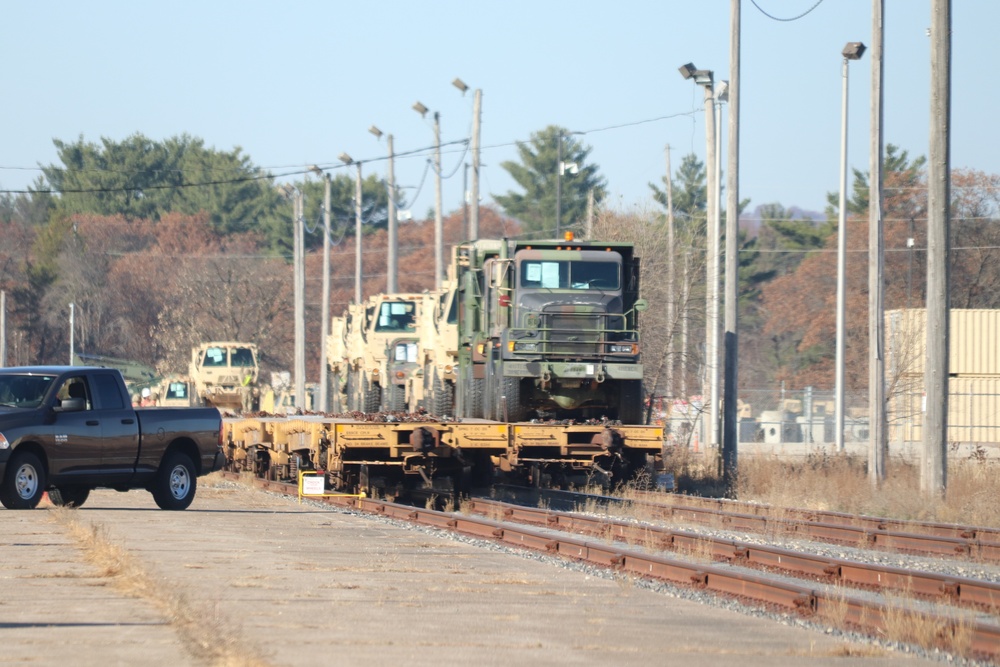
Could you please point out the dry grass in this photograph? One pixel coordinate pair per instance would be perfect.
(840, 483)
(204, 633)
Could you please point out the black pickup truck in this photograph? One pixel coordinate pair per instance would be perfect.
(69, 429)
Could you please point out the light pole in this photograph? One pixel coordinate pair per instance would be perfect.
(710, 387)
(348, 160)
(477, 106)
(392, 277)
(853, 51)
(438, 221)
(721, 95)
(324, 384)
(298, 285)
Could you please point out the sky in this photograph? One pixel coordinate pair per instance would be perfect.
(299, 82)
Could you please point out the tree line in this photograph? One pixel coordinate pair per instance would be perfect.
(162, 245)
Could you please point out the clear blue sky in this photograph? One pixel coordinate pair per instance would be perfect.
(296, 82)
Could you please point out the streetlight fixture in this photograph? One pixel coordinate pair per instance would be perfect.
(853, 51)
(348, 160)
(324, 404)
(710, 387)
(392, 274)
(438, 220)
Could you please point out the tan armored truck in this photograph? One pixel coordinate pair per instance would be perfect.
(373, 353)
(225, 375)
(439, 351)
(176, 391)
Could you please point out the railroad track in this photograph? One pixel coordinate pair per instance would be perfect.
(890, 535)
(831, 590)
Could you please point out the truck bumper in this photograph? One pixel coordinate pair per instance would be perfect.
(576, 370)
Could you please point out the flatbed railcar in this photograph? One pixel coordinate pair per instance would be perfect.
(391, 454)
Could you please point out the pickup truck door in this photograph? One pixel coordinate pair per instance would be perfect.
(119, 428)
(74, 450)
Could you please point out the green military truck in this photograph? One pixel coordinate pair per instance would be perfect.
(548, 328)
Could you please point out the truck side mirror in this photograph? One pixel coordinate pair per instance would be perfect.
(71, 405)
(640, 305)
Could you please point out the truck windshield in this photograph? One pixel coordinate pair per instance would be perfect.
(24, 391)
(569, 274)
(241, 356)
(396, 316)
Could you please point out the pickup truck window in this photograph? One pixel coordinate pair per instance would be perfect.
(24, 391)
(75, 387)
(108, 392)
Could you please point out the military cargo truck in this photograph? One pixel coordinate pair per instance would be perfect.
(548, 328)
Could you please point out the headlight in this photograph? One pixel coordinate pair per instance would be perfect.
(522, 347)
(630, 348)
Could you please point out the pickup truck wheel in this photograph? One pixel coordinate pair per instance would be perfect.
(70, 495)
(24, 482)
(175, 482)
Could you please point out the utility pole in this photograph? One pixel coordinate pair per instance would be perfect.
(3, 328)
(438, 221)
(477, 106)
(934, 477)
(730, 437)
(716, 256)
(671, 255)
(558, 182)
(712, 269)
(392, 281)
(878, 452)
(589, 228)
(392, 268)
(72, 329)
(300, 298)
(324, 372)
(465, 198)
(357, 235)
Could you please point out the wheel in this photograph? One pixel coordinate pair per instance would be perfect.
(372, 397)
(510, 389)
(24, 483)
(352, 390)
(444, 399)
(630, 402)
(176, 482)
(490, 398)
(71, 495)
(397, 398)
(475, 408)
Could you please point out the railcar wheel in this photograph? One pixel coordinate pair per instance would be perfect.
(23, 483)
(175, 483)
(71, 495)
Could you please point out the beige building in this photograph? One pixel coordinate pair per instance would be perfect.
(974, 375)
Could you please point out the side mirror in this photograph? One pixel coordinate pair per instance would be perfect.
(71, 405)
(640, 305)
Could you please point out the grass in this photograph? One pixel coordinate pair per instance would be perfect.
(840, 483)
(204, 633)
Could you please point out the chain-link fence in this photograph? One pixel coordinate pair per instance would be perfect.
(786, 416)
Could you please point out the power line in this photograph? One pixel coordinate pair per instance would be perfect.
(794, 18)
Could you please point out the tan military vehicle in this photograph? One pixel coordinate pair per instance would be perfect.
(439, 351)
(225, 375)
(373, 353)
(176, 391)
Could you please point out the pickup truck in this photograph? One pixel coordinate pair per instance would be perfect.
(68, 429)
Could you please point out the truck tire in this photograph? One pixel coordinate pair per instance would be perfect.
(444, 400)
(71, 495)
(175, 483)
(372, 398)
(490, 393)
(23, 483)
(397, 398)
(510, 389)
(475, 408)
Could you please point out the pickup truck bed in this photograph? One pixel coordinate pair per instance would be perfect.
(69, 429)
